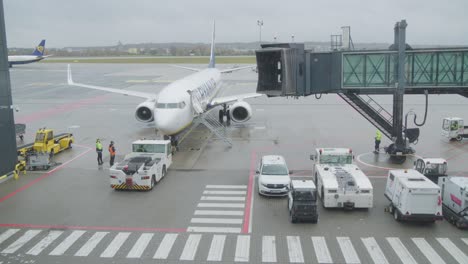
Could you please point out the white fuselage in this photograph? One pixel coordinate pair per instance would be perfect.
(23, 59)
(174, 110)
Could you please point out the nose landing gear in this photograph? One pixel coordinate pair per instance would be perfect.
(222, 113)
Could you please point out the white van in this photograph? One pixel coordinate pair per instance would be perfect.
(273, 176)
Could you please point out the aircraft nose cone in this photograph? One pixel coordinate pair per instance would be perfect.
(165, 124)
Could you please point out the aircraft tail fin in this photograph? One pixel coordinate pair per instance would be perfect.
(39, 50)
(212, 55)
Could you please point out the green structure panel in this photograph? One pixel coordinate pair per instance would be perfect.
(436, 68)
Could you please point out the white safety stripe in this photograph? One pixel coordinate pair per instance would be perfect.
(222, 198)
(269, 249)
(242, 249)
(215, 212)
(216, 248)
(349, 253)
(428, 251)
(165, 247)
(140, 246)
(44, 243)
(28, 235)
(225, 192)
(62, 247)
(190, 248)
(207, 229)
(226, 186)
(321, 250)
(222, 205)
(115, 245)
(216, 221)
(374, 250)
(465, 240)
(453, 250)
(92, 242)
(401, 250)
(7, 234)
(295, 249)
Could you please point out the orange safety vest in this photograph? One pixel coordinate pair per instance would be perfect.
(111, 150)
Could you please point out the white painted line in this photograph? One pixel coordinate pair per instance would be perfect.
(115, 245)
(44, 243)
(453, 250)
(66, 243)
(251, 206)
(268, 249)
(165, 247)
(208, 229)
(242, 249)
(225, 192)
(295, 249)
(226, 186)
(140, 246)
(428, 251)
(349, 253)
(28, 235)
(222, 198)
(221, 205)
(215, 212)
(7, 234)
(216, 248)
(401, 250)
(190, 248)
(321, 250)
(465, 240)
(374, 250)
(92, 242)
(215, 221)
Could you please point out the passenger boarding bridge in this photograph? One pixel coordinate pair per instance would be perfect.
(289, 70)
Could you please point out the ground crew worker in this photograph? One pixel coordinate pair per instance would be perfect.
(112, 153)
(378, 138)
(99, 151)
(20, 167)
(454, 126)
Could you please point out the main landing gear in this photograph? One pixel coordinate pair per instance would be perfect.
(222, 113)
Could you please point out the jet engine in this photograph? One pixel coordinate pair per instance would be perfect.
(240, 112)
(145, 111)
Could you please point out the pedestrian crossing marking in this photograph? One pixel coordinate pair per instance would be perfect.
(401, 250)
(374, 250)
(242, 248)
(66, 244)
(7, 234)
(115, 245)
(140, 245)
(216, 248)
(190, 248)
(295, 249)
(92, 242)
(269, 249)
(321, 250)
(349, 253)
(427, 250)
(165, 247)
(30, 234)
(453, 250)
(44, 243)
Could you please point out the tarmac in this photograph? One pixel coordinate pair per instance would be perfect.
(207, 208)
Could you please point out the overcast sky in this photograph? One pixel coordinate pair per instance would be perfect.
(104, 22)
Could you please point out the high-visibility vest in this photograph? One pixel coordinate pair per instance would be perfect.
(378, 135)
(98, 146)
(111, 150)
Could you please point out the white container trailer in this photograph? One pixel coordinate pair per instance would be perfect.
(340, 183)
(413, 196)
(455, 200)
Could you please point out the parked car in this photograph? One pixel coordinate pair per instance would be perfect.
(273, 176)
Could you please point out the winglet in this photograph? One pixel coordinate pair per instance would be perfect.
(69, 75)
(212, 55)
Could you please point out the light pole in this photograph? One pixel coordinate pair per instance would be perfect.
(260, 24)
(292, 38)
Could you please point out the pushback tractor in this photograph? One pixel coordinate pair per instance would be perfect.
(453, 128)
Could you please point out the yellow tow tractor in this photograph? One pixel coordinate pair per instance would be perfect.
(45, 146)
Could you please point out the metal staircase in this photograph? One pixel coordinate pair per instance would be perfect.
(372, 111)
(210, 121)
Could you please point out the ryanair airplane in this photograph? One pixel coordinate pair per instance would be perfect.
(37, 55)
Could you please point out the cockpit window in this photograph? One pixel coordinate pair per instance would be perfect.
(180, 105)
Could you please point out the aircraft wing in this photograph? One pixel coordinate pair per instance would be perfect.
(233, 98)
(186, 68)
(237, 69)
(107, 89)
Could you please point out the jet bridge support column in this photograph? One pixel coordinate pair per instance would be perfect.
(7, 126)
(400, 147)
